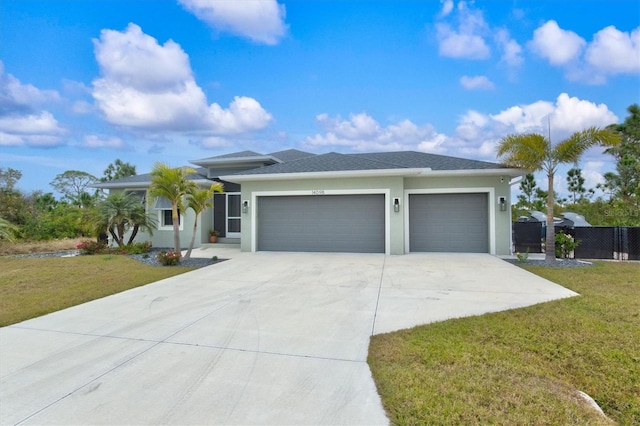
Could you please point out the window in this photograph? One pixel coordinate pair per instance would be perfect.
(165, 216)
(140, 194)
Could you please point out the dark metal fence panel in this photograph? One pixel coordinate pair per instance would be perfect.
(596, 242)
(528, 236)
(633, 242)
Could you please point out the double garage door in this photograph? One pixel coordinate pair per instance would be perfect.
(356, 223)
(322, 223)
(448, 223)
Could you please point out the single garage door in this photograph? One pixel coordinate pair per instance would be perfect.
(449, 223)
(322, 223)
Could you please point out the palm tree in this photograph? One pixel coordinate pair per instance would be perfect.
(120, 212)
(198, 200)
(172, 184)
(535, 152)
(141, 221)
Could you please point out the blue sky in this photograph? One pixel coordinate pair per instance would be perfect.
(85, 82)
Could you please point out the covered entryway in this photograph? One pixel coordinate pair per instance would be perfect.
(322, 223)
(449, 223)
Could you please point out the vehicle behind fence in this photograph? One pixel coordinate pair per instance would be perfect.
(595, 242)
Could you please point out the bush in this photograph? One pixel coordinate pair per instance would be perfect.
(91, 247)
(169, 258)
(565, 245)
(136, 248)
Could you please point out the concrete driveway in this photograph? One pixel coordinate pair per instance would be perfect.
(264, 338)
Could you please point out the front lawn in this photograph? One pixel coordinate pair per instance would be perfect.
(31, 287)
(523, 366)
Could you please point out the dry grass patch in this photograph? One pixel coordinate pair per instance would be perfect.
(523, 366)
(31, 247)
(31, 287)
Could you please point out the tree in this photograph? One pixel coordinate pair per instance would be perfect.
(117, 170)
(575, 183)
(535, 152)
(121, 212)
(72, 184)
(9, 177)
(172, 184)
(528, 187)
(625, 183)
(198, 200)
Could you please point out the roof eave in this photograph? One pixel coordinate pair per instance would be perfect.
(235, 161)
(322, 175)
(412, 172)
(475, 172)
(141, 185)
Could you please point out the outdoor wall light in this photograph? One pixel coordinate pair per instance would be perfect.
(503, 204)
(501, 179)
(245, 206)
(396, 205)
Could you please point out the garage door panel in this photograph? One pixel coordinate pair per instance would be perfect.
(448, 223)
(330, 223)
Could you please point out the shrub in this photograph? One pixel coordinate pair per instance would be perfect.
(169, 258)
(136, 248)
(565, 245)
(91, 246)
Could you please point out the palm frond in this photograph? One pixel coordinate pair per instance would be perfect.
(527, 151)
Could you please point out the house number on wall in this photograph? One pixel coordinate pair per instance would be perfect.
(317, 192)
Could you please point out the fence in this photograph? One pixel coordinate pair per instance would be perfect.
(596, 242)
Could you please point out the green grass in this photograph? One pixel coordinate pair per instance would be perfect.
(31, 287)
(523, 366)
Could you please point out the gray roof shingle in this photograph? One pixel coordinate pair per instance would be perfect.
(334, 162)
(290, 155)
(414, 159)
(241, 154)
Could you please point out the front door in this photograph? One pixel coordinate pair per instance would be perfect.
(233, 215)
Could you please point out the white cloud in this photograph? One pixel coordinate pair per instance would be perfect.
(611, 52)
(22, 121)
(16, 97)
(467, 41)
(363, 133)
(447, 7)
(82, 107)
(453, 44)
(8, 139)
(146, 85)
(476, 135)
(95, 141)
(259, 20)
(572, 114)
(479, 82)
(556, 45)
(615, 52)
(511, 50)
(524, 118)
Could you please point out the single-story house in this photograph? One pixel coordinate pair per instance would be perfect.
(383, 202)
